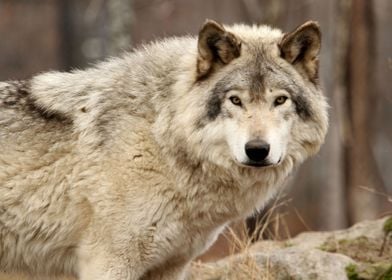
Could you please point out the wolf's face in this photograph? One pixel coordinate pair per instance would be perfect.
(257, 125)
(263, 99)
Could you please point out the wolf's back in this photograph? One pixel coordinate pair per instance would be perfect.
(30, 137)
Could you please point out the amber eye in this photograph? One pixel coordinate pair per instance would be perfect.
(236, 100)
(280, 100)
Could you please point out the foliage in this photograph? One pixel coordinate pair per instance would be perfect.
(352, 273)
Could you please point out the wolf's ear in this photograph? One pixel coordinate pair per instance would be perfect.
(216, 47)
(302, 47)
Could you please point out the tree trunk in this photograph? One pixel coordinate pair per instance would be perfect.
(362, 172)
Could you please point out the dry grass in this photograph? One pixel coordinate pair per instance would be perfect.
(272, 224)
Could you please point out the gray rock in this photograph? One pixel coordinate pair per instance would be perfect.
(288, 263)
(309, 256)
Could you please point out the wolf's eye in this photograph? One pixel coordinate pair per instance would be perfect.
(280, 100)
(235, 100)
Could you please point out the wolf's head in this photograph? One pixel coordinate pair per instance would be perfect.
(255, 100)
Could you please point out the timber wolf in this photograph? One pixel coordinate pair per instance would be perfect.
(130, 169)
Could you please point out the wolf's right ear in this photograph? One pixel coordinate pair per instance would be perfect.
(216, 47)
(301, 48)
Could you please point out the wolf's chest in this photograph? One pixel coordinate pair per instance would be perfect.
(176, 240)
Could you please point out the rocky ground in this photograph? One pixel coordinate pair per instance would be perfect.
(362, 252)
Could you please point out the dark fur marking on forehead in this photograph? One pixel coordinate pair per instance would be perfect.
(257, 86)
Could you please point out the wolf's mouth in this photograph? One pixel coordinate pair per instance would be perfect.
(263, 163)
(257, 164)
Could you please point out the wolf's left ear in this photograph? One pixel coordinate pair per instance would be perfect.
(216, 47)
(301, 48)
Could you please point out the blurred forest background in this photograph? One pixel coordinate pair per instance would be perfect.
(349, 181)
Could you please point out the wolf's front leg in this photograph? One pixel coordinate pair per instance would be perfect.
(170, 271)
(110, 267)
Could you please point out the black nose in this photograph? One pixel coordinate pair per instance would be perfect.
(257, 150)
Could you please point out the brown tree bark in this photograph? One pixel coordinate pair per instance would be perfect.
(331, 212)
(362, 173)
